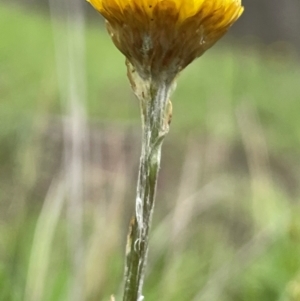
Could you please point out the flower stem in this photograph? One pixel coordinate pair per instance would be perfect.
(156, 112)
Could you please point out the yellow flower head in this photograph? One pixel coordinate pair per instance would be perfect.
(164, 36)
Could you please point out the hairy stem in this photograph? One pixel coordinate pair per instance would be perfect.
(156, 113)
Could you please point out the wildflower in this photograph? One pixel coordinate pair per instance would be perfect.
(161, 37)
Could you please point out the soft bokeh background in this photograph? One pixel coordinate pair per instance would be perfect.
(226, 224)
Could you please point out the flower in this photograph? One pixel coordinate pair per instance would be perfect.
(161, 37)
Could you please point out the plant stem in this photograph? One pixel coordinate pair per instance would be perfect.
(156, 112)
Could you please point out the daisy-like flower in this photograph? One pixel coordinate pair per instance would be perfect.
(161, 37)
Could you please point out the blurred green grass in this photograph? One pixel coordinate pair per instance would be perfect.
(211, 93)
